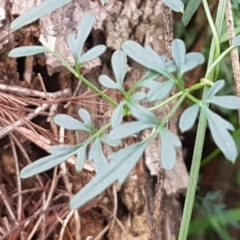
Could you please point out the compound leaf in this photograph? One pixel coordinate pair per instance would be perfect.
(121, 165)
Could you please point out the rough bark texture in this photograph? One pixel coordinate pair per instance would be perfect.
(143, 213)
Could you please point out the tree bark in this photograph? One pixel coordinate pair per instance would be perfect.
(142, 213)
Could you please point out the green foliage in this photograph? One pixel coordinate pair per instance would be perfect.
(118, 165)
(175, 5)
(214, 215)
(35, 13)
(190, 9)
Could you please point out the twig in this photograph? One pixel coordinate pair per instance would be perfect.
(34, 93)
(69, 189)
(74, 94)
(7, 205)
(117, 220)
(30, 116)
(25, 155)
(65, 223)
(234, 53)
(100, 235)
(46, 205)
(19, 185)
(115, 206)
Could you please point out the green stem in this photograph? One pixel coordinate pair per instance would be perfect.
(186, 91)
(219, 59)
(194, 172)
(197, 154)
(173, 110)
(84, 80)
(216, 49)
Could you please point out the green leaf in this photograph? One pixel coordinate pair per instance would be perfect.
(225, 37)
(109, 141)
(191, 8)
(229, 102)
(48, 162)
(156, 58)
(142, 56)
(188, 66)
(85, 116)
(138, 96)
(175, 5)
(218, 127)
(158, 90)
(96, 155)
(60, 149)
(92, 53)
(103, 2)
(121, 165)
(215, 88)
(81, 153)
(141, 113)
(35, 13)
(195, 56)
(117, 115)
(129, 156)
(70, 123)
(119, 66)
(72, 44)
(178, 52)
(129, 129)
(236, 41)
(188, 118)
(108, 82)
(168, 152)
(84, 30)
(169, 65)
(27, 51)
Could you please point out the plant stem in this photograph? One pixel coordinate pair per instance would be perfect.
(84, 80)
(186, 91)
(197, 154)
